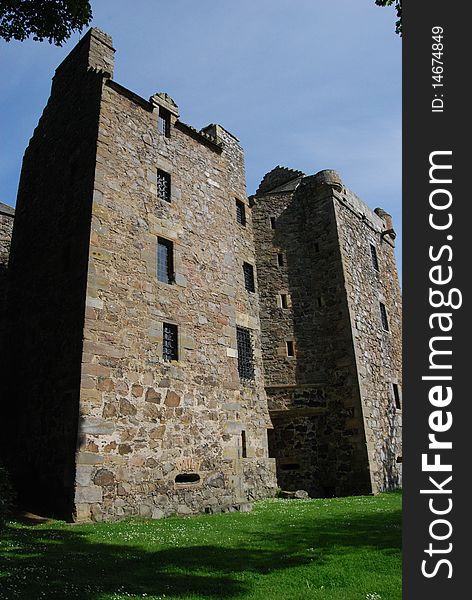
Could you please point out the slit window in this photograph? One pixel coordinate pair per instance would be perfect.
(163, 122)
(374, 257)
(290, 348)
(165, 260)
(283, 300)
(245, 353)
(271, 441)
(163, 185)
(240, 213)
(396, 396)
(170, 342)
(383, 316)
(249, 283)
(272, 222)
(243, 444)
(280, 260)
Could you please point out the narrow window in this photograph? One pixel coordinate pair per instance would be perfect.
(165, 260)
(271, 443)
(163, 185)
(290, 348)
(319, 300)
(396, 396)
(245, 353)
(374, 257)
(170, 347)
(240, 213)
(280, 260)
(317, 247)
(163, 122)
(249, 277)
(243, 445)
(272, 222)
(284, 300)
(383, 316)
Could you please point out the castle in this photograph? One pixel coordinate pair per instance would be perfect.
(171, 346)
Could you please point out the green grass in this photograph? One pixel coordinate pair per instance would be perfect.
(336, 549)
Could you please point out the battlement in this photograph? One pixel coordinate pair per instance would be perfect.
(94, 51)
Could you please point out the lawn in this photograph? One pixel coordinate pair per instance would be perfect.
(336, 549)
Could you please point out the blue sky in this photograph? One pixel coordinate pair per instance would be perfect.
(308, 84)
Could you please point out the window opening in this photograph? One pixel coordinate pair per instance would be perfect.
(383, 316)
(165, 260)
(240, 213)
(245, 353)
(163, 185)
(170, 342)
(249, 283)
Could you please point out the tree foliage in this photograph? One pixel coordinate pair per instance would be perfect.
(398, 8)
(54, 20)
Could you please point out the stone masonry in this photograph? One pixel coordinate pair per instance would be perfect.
(7, 214)
(330, 366)
(148, 358)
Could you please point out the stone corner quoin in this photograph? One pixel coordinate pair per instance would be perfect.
(175, 347)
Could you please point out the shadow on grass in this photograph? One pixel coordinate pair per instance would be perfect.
(62, 563)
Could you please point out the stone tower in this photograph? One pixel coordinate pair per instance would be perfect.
(331, 334)
(132, 289)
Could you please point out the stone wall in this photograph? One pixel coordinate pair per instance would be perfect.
(145, 421)
(47, 279)
(313, 396)
(378, 352)
(7, 214)
(108, 427)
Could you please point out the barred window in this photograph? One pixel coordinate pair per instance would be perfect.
(165, 260)
(170, 346)
(249, 277)
(383, 316)
(374, 257)
(245, 353)
(163, 122)
(396, 396)
(163, 185)
(240, 213)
